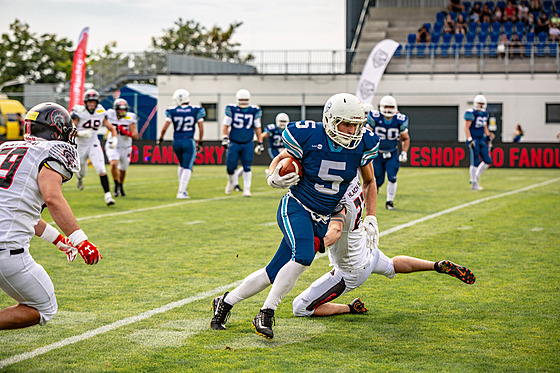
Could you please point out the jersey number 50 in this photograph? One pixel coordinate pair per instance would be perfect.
(387, 134)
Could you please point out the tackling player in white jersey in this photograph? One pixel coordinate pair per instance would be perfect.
(31, 176)
(119, 157)
(354, 261)
(88, 118)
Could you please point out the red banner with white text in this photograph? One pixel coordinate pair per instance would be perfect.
(78, 71)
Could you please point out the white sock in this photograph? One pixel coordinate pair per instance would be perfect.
(247, 176)
(231, 179)
(253, 284)
(184, 180)
(391, 190)
(180, 177)
(472, 172)
(480, 170)
(285, 281)
(236, 175)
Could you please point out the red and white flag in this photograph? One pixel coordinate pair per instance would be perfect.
(78, 71)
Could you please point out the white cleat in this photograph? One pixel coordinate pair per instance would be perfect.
(80, 184)
(183, 195)
(476, 186)
(109, 199)
(246, 193)
(229, 188)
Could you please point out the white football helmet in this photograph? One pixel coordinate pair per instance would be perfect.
(367, 108)
(388, 106)
(243, 97)
(479, 102)
(344, 107)
(181, 96)
(282, 120)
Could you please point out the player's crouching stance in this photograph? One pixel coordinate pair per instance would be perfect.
(331, 153)
(354, 261)
(32, 172)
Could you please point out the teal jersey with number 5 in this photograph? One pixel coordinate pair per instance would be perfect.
(328, 168)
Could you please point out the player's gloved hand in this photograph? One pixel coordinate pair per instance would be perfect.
(403, 157)
(159, 141)
(123, 131)
(489, 142)
(259, 148)
(64, 244)
(470, 142)
(85, 133)
(199, 146)
(319, 245)
(89, 252)
(225, 142)
(112, 142)
(276, 181)
(369, 226)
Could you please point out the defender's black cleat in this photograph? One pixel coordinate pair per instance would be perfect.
(263, 323)
(121, 191)
(462, 273)
(357, 306)
(389, 205)
(222, 311)
(237, 188)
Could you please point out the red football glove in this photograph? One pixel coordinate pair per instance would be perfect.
(64, 244)
(319, 245)
(89, 252)
(123, 131)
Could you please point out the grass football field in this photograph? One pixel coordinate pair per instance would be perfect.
(146, 306)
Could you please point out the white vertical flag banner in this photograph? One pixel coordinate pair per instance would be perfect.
(374, 68)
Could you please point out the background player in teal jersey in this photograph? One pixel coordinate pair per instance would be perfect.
(479, 138)
(184, 118)
(241, 123)
(331, 154)
(274, 133)
(391, 127)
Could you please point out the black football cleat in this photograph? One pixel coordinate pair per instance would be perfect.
(357, 306)
(389, 205)
(222, 312)
(263, 323)
(237, 188)
(462, 273)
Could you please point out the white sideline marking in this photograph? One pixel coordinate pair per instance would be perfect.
(117, 324)
(218, 290)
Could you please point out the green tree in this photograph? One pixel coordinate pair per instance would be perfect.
(46, 58)
(189, 37)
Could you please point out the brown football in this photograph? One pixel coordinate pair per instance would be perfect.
(290, 165)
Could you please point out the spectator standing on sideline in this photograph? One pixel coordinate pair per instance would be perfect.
(518, 133)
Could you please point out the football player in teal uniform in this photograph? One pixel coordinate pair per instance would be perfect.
(331, 154)
(479, 138)
(392, 128)
(273, 132)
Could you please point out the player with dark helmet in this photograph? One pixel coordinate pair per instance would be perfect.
(49, 121)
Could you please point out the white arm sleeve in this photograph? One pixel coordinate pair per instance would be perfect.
(227, 121)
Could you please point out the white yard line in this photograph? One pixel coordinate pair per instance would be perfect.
(221, 289)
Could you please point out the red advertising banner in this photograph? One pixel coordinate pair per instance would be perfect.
(432, 154)
(78, 71)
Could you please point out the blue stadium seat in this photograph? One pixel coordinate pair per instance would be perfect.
(479, 3)
(468, 5)
(528, 49)
(490, 5)
(484, 27)
(459, 38)
(453, 16)
(547, 6)
(501, 5)
(520, 27)
(446, 38)
(494, 37)
(435, 38)
(492, 49)
(508, 27)
(456, 48)
(411, 39)
(421, 50)
(482, 37)
(468, 49)
(540, 50)
(409, 49)
(398, 53)
(552, 49)
(480, 48)
(542, 37)
(465, 16)
(432, 48)
(471, 36)
(496, 27)
(473, 27)
(438, 28)
(530, 37)
(428, 26)
(440, 17)
(557, 5)
(444, 49)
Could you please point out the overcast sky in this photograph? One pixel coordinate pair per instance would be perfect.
(267, 24)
